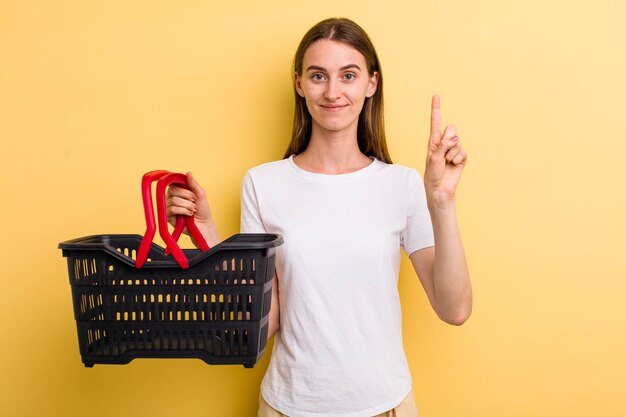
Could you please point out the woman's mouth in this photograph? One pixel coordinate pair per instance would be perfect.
(333, 107)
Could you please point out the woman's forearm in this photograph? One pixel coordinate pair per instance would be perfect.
(451, 282)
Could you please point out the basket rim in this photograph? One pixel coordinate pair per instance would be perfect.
(247, 241)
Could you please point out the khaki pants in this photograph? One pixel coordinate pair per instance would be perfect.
(407, 408)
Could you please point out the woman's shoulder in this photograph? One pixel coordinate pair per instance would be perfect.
(400, 170)
(268, 171)
(268, 168)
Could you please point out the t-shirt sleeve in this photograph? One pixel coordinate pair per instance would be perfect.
(418, 233)
(251, 221)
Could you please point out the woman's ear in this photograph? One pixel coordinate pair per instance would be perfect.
(373, 85)
(296, 83)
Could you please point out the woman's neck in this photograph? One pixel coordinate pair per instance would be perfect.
(332, 153)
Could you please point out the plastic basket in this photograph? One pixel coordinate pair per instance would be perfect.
(216, 309)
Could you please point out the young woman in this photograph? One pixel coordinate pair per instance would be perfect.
(345, 211)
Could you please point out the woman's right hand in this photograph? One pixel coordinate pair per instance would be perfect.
(192, 202)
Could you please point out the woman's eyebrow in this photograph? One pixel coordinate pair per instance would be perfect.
(345, 67)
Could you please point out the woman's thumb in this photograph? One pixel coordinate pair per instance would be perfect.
(193, 184)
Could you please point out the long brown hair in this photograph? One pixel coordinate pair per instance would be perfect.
(371, 128)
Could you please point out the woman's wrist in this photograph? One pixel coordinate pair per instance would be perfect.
(441, 205)
(209, 231)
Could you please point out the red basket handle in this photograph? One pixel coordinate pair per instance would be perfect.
(148, 209)
(170, 241)
(164, 179)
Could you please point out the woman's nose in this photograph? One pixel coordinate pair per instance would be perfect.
(332, 91)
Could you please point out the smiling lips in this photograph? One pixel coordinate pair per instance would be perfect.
(333, 107)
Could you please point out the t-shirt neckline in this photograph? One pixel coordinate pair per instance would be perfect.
(335, 178)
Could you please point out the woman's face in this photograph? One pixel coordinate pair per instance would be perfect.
(335, 82)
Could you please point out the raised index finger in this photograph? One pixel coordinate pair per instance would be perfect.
(435, 120)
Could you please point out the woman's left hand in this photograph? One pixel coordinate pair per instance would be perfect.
(445, 159)
(442, 269)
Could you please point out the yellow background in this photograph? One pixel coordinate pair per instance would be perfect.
(95, 93)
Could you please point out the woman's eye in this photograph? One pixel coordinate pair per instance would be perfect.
(349, 77)
(318, 77)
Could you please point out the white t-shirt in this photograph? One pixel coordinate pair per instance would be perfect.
(339, 350)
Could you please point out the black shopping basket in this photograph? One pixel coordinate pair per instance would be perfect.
(214, 307)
